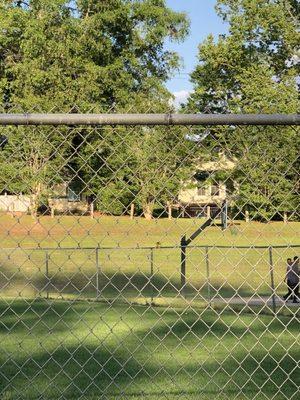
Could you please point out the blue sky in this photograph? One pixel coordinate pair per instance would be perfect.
(204, 21)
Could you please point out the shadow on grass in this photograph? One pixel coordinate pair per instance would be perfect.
(72, 280)
(113, 285)
(16, 281)
(98, 351)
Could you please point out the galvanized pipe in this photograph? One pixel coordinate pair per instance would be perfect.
(149, 119)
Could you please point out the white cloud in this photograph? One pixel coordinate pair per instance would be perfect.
(180, 97)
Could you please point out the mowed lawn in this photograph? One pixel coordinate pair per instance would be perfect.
(53, 348)
(56, 349)
(121, 267)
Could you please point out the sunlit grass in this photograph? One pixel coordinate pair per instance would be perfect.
(105, 231)
(120, 345)
(122, 263)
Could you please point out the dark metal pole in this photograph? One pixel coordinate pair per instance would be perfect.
(224, 215)
(205, 225)
(207, 275)
(47, 275)
(97, 273)
(183, 264)
(272, 279)
(149, 119)
(151, 275)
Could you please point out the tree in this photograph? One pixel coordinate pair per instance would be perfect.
(146, 169)
(159, 161)
(87, 53)
(33, 162)
(79, 56)
(254, 68)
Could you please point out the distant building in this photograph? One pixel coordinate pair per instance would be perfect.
(204, 194)
(65, 199)
(10, 203)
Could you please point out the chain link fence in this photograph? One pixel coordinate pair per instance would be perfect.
(149, 256)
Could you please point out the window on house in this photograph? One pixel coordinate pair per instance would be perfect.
(201, 191)
(72, 196)
(215, 190)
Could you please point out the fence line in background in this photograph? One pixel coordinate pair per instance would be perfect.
(96, 278)
(281, 246)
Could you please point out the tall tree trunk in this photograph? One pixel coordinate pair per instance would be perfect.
(148, 211)
(35, 199)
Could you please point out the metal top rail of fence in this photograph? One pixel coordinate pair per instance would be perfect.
(149, 119)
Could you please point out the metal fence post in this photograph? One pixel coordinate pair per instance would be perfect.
(272, 278)
(207, 275)
(47, 273)
(151, 274)
(97, 273)
(183, 264)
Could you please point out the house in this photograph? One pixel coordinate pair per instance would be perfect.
(11, 203)
(66, 199)
(205, 193)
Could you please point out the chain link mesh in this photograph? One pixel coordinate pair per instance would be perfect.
(109, 289)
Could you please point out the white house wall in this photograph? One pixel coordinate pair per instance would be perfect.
(11, 203)
(191, 196)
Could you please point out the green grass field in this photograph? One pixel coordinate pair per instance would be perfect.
(105, 231)
(56, 349)
(120, 347)
(73, 272)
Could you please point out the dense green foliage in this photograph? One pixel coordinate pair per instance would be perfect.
(141, 165)
(57, 53)
(254, 68)
(110, 55)
(82, 56)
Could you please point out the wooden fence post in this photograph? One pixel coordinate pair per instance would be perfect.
(208, 213)
(92, 210)
(169, 205)
(131, 211)
(247, 216)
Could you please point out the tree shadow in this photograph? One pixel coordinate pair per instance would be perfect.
(122, 273)
(16, 281)
(111, 285)
(98, 351)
